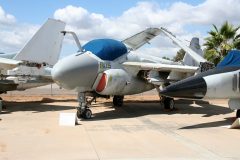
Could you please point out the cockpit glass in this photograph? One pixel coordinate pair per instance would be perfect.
(106, 49)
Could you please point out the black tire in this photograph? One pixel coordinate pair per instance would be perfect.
(118, 101)
(169, 103)
(87, 114)
(238, 113)
(79, 114)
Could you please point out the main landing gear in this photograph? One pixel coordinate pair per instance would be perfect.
(167, 102)
(118, 101)
(83, 110)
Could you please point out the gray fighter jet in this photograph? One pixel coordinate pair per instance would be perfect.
(222, 82)
(31, 67)
(107, 67)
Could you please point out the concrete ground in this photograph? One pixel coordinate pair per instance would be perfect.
(141, 129)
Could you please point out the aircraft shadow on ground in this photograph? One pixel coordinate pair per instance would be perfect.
(226, 121)
(132, 109)
(36, 106)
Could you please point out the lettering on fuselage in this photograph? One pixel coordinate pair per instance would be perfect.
(104, 65)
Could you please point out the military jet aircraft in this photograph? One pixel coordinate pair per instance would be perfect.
(222, 82)
(108, 67)
(31, 66)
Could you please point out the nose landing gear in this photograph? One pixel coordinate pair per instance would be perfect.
(84, 113)
(83, 110)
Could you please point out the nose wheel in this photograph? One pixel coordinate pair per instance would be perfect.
(84, 113)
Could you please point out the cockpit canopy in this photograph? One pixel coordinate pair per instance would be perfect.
(106, 49)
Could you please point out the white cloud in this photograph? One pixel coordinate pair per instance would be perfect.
(181, 18)
(6, 18)
(14, 39)
(13, 35)
(81, 21)
(160, 51)
(211, 11)
(177, 17)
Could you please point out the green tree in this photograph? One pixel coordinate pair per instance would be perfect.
(179, 56)
(220, 41)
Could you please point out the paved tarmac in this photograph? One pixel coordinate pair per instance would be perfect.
(140, 130)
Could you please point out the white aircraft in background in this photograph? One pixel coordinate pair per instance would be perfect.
(107, 67)
(222, 82)
(31, 66)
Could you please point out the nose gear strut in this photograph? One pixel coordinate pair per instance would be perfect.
(83, 110)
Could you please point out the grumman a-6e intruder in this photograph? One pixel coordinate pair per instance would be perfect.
(107, 67)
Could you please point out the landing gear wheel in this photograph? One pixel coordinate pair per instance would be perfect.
(87, 114)
(84, 113)
(238, 113)
(79, 114)
(118, 101)
(169, 103)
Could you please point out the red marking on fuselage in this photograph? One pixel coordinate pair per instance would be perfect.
(102, 83)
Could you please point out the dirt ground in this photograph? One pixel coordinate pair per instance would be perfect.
(141, 129)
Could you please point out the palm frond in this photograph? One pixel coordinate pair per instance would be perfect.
(215, 27)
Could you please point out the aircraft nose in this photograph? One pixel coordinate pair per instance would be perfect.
(192, 88)
(76, 72)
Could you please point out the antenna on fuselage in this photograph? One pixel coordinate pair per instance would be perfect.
(75, 38)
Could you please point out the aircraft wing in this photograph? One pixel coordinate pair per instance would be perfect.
(136, 41)
(161, 67)
(188, 50)
(158, 73)
(9, 63)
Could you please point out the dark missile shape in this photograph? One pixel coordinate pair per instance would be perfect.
(198, 86)
(191, 88)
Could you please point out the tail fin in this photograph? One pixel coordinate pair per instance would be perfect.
(195, 46)
(45, 45)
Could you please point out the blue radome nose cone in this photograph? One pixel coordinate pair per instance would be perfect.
(76, 72)
(191, 88)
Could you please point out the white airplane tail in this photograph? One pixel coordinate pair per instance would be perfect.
(195, 46)
(45, 45)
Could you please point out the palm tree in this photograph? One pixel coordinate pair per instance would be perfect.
(220, 41)
(179, 56)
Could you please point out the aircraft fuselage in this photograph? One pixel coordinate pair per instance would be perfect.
(86, 72)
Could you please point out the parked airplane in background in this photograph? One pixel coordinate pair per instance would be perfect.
(31, 66)
(107, 67)
(222, 82)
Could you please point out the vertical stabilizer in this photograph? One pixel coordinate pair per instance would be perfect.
(45, 45)
(195, 46)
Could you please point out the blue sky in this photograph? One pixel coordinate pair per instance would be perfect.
(90, 19)
(36, 11)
